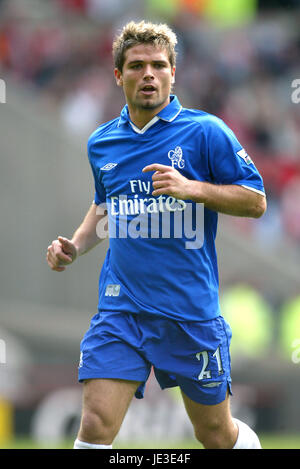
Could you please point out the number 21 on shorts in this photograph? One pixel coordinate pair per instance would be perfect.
(206, 373)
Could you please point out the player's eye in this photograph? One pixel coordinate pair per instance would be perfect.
(136, 66)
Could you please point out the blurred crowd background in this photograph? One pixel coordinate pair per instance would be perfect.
(238, 59)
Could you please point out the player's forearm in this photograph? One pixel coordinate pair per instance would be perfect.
(86, 237)
(84, 240)
(228, 199)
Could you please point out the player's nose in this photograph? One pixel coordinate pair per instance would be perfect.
(148, 73)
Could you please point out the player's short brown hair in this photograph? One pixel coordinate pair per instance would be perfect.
(160, 35)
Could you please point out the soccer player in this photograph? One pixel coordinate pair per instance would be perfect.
(163, 172)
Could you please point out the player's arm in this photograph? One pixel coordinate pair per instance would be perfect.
(63, 251)
(229, 199)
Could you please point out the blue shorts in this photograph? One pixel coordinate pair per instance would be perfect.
(192, 355)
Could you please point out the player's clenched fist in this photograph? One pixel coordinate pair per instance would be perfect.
(61, 253)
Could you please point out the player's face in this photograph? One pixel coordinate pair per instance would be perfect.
(146, 78)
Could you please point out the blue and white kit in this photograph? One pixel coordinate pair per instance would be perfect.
(160, 276)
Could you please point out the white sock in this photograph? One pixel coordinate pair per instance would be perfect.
(83, 445)
(247, 438)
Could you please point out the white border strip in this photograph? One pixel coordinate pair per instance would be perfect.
(174, 117)
(254, 190)
(147, 126)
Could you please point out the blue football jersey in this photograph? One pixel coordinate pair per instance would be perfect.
(162, 258)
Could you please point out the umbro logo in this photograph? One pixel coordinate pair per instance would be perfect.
(212, 385)
(108, 166)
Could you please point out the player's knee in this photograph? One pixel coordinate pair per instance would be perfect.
(213, 436)
(96, 429)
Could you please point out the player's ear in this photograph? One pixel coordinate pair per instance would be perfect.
(118, 77)
(173, 76)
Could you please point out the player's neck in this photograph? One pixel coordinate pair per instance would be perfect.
(141, 121)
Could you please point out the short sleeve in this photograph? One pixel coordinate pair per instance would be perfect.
(100, 194)
(228, 161)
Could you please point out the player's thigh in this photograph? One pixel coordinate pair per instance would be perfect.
(107, 399)
(207, 418)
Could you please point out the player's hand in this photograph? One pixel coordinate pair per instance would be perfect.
(61, 253)
(169, 181)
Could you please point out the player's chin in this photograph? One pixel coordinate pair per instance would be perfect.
(146, 100)
(151, 103)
